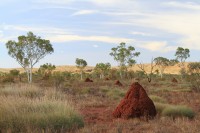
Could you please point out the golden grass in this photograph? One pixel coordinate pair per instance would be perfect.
(169, 70)
(28, 109)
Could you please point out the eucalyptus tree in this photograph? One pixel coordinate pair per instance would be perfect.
(144, 70)
(162, 63)
(81, 64)
(181, 55)
(102, 69)
(124, 56)
(46, 69)
(28, 51)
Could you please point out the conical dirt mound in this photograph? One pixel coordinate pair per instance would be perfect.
(88, 80)
(118, 83)
(174, 80)
(136, 103)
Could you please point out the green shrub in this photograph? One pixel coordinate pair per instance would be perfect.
(178, 111)
(58, 79)
(8, 79)
(160, 107)
(14, 72)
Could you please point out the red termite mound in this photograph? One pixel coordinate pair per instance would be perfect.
(88, 80)
(136, 103)
(174, 80)
(118, 83)
(107, 79)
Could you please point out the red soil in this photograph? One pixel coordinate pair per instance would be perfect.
(174, 80)
(118, 83)
(88, 80)
(93, 115)
(136, 103)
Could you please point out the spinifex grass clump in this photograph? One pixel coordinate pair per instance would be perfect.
(113, 93)
(24, 91)
(47, 113)
(178, 111)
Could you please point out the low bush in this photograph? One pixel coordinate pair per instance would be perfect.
(160, 107)
(178, 111)
(8, 79)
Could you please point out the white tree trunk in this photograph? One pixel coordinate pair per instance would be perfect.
(161, 72)
(31, 75)
(120, 74)
(81, 75)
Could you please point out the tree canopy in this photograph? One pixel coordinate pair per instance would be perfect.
(28, 51)
(162, 63)
(81, 64)
(102, 68)
(182, 54)
(124, 56)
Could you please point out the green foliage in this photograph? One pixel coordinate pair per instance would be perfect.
(178, 111)
(173, 62)
(58, 79)
(182, 54)
(113, 74)
(140, 74)
(194, 67)
(102, 69)
(160, 107)
(81, 64)
(8, 79)
(124, 56)
(14, 72)
(130, 74)
(194, 71)
(46, 70)
(28, 51)
(162, 63)
(183, 72)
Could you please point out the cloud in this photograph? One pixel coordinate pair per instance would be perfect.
(161, 46)
(114, 3)
(56, 35)
(106, 39)
(184, 5)
(59, 2)
(95, 46)
(84, 12)
(34, 29)
(141, 33)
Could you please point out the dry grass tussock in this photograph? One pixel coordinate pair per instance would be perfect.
(34, 110)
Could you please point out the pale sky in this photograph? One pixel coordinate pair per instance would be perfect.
(88, 29)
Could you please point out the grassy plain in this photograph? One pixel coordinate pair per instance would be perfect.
(78, 106)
